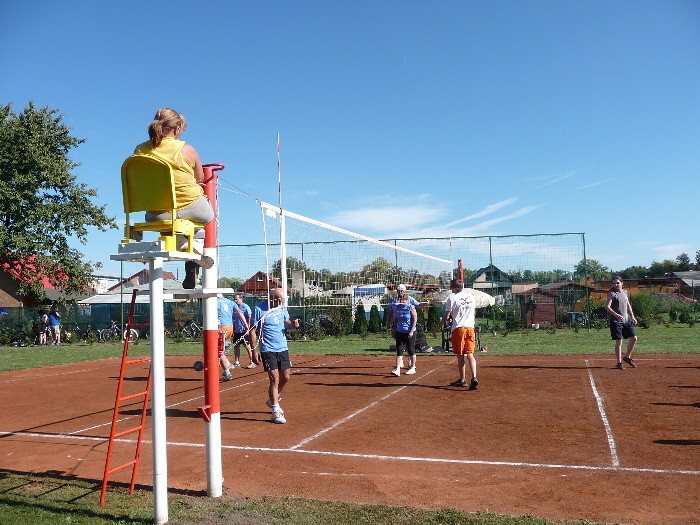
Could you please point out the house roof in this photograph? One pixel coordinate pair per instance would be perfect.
(691, 278)
(140, 278)
(117, 297)
(257, 284)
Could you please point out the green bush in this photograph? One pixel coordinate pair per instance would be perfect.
(684, 316)
(643, 306)
(673, 314)
(359, 325)
(343, 318)
(433, 317)
(375, 323)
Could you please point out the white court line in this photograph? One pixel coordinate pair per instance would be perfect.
(517, 464)
(357, 412)
(44, 376)
(604, 417)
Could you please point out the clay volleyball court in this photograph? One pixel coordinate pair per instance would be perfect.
(551, 436)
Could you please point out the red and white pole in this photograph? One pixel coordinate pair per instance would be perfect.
(211, 411)
(460, 270)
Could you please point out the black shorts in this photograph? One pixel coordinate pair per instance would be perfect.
(622, 330)
(403, 342)
(276, 361)
(241, 338)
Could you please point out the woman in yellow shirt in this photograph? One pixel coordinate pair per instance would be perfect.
(164, 134)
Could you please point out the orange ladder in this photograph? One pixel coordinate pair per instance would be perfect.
(113, 434)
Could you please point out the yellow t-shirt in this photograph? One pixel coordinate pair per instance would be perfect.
(187, 189)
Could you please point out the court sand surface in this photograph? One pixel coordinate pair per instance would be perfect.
(561, 437)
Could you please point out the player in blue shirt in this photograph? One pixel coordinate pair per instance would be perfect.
(391, 311)
(270, 321)
(225, 309)
(240, 334)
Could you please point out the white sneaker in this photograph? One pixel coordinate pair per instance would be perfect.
(251, 365)
(236, 365)
(396, 371)
(269, 402)
(227, 376)
(278, 417)
(411, 370)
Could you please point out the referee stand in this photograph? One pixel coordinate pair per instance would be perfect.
(155, 254)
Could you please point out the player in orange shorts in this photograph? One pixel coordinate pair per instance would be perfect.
(460, 307)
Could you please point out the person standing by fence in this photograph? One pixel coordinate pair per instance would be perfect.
(55, 323)
(622, 321)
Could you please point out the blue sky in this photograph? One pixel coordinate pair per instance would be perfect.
(396, 118)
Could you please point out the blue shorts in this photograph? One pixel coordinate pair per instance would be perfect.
(622, 330)
(276, 361)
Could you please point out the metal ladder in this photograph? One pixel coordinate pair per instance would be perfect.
(114, 436)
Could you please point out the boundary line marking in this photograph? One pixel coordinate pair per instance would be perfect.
(520, 464)
(604, 417)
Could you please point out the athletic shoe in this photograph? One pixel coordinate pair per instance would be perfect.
(278, 416)
(396, 372)
(227, 376)
(269, 402)
(459, 382)
(411, 371)
(619, 366)
(236, 365)
(190, 281)
(629, 361)
(473, 384)
(251, 365)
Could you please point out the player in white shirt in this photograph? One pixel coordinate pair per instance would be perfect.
(460, 307)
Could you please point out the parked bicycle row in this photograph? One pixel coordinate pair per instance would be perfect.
(40, 335)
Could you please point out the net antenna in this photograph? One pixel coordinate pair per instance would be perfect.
(283, 230)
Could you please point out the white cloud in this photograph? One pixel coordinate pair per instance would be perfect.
(671, 251)
(491, 208)
(547, 180)
(594, 184)
(386, 218)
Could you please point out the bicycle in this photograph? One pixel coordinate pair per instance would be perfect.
(115, 332)
(78, 333)
(16, 336)
(192, 330)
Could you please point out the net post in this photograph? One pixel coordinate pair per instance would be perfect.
(212, 399)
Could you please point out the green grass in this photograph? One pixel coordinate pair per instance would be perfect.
(658, 339)
(43, 500)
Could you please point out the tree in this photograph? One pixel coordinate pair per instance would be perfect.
(683, 263)
(634, 272)
(42, 205)
(230, 282)
(375, 322)
(292, 264)
(697, 260)
(360, 324)
(433, 318)
(660, 269)
(591, 268)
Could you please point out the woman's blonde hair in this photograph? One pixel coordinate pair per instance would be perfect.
(165, 121)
